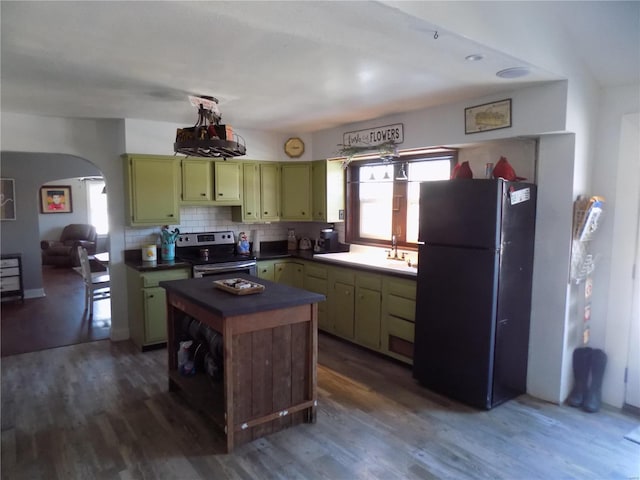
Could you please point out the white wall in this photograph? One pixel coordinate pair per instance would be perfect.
(616, 176)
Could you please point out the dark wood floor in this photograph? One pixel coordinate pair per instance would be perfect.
(54, 320)
(102, 410)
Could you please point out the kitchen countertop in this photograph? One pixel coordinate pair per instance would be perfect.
(202, 292)
(133, 259)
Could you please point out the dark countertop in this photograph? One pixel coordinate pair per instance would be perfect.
(202, 292)
(133, 259)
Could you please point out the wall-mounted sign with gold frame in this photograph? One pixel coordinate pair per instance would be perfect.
(489, 116)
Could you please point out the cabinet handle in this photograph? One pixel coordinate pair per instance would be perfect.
(220, 194)
(248, 213)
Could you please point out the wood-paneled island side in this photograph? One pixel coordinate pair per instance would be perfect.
(270, 348)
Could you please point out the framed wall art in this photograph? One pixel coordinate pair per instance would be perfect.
(489, 116)
(7, 199)
(55, 199)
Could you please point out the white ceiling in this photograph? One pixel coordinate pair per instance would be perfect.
(281, 66)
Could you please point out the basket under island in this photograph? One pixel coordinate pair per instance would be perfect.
(270, 346)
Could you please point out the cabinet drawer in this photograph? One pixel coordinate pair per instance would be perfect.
(343, 276)
(315, 271)
(316, 285)
(406, 289)
(400, 328)
(8, 284)
(401, 307)
(151, 279)
(372, 282)
(10, 272)
(9, 262)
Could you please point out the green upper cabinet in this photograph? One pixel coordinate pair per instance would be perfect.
(152, 189)
(328, 191)
(196, 181)
(250, 210)
(228, 182)
(211, 183)
(296, 191)
(261, 188)
(269, 191)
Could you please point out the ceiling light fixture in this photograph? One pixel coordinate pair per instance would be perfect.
(207, 138)
(474, 57)
(513, 72)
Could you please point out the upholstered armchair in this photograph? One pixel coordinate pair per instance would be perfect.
(64, 252)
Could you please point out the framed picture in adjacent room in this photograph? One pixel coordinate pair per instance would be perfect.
(55, 199)
(7, 199)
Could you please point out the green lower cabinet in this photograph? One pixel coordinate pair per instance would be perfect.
(342, 297)
(266, 270)
(147, 304)
(315, 280)
(398, 318)
(290, 273)
(155, 312)
(367, 310)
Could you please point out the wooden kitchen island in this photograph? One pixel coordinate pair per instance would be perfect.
(270, 354)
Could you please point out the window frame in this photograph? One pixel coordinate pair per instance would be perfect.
(400, 189)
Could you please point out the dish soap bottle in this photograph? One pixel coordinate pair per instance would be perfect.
(292, 243)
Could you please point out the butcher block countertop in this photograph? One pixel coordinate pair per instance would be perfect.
(203, 292)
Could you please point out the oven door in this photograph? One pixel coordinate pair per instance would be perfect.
(211, 269)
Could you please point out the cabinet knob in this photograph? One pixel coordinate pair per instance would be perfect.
(303, 213)
(150, 296)
(203, 194)
(170, 215)
(266, 213)
(248, 213)
(220, 194)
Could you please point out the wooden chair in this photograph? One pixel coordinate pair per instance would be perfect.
(97, 284)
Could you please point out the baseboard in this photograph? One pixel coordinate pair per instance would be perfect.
(119, 334)
(34, 293)
(632, 409)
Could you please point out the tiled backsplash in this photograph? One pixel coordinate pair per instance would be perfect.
(207, 219)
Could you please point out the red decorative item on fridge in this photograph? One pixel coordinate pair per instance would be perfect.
(462, 170)
(503, 169)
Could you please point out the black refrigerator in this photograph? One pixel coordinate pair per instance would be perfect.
(473, 301)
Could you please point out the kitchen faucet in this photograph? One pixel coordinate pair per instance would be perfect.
(394, 247)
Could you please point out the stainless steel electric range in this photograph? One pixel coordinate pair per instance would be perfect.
(213, 253)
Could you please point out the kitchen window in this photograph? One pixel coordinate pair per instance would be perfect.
(383, 197)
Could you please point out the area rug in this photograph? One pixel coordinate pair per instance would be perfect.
(634, 435)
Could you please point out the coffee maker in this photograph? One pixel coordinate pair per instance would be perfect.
(328, 241)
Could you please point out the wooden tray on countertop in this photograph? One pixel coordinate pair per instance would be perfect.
(228, 285)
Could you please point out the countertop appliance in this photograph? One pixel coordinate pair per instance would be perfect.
(213, 253)
(328, 241)
(473, 302)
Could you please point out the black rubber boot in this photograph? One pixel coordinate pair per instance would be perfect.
(594, 394)
(581, 368)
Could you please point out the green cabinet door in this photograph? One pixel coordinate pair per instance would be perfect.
(269, 191)
(328, 191)
(196, 181)
(266, 270)
(295, 190)
(228, 182)
(152, 190)
(251, 192)
(342, 298)
(319, 191)
(367, 317)
(315, 280)
(155, 314)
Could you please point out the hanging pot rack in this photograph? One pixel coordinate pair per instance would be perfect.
(208, 138)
